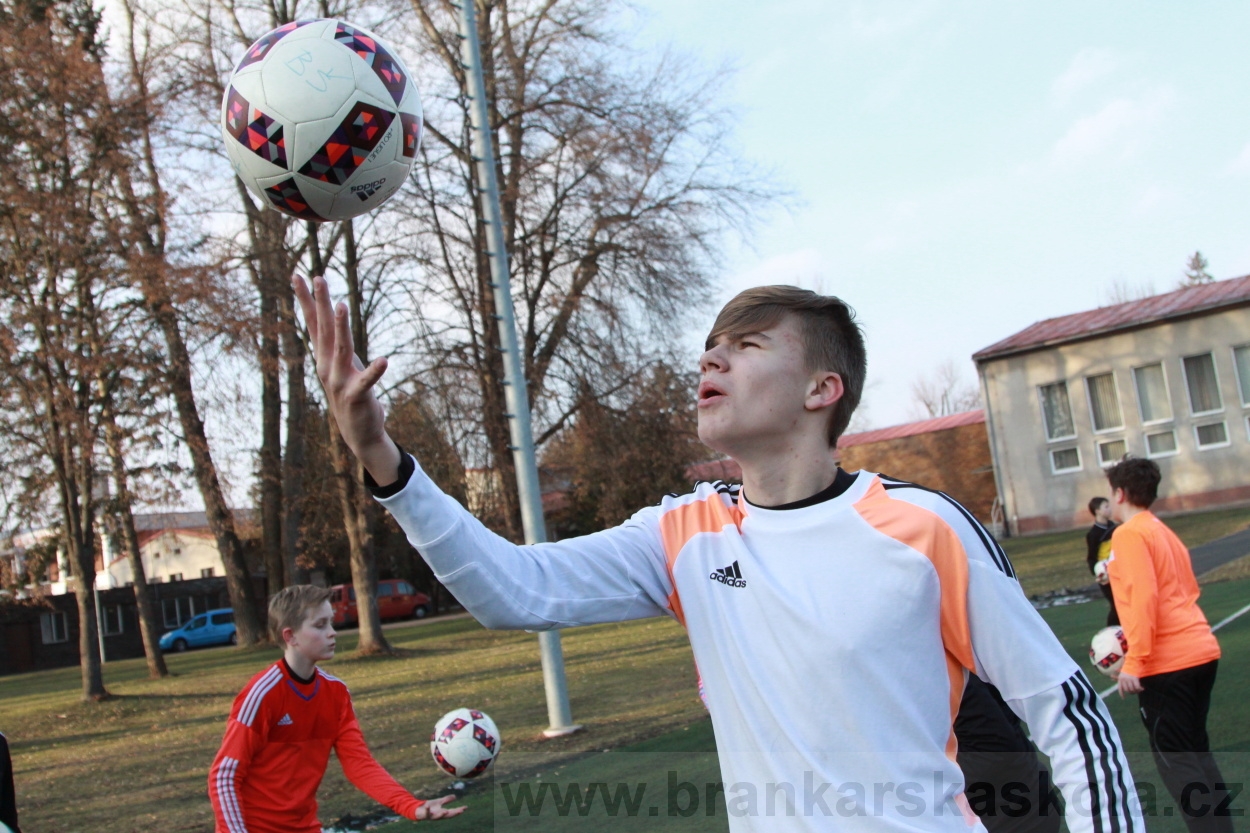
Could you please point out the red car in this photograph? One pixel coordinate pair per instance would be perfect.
(397, 599)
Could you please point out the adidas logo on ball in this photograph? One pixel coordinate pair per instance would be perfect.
(368, 189)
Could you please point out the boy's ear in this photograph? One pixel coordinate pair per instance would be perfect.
(826, 389)
(287, 635)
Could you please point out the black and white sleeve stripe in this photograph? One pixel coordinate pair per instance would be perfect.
(1071, 725)
(954, 513)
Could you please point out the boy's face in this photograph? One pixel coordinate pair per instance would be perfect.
(314, 639)
(1103, 514)
(756, 391)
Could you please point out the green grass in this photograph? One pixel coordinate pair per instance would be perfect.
(691, 750)
(140, 761)
(1055, 560)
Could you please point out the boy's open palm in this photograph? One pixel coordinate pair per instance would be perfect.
(434, 809)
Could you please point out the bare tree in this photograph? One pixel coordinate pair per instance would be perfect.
(57, 275)
(168, 286)
(1120, 291)
(618, 184)
(624, 451)
(942, 392)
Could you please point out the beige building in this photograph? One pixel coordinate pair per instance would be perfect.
(1166, 377)
(174, 546)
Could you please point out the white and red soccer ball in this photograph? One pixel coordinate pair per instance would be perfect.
(465, 742)
(321, 120)
(1108, 649)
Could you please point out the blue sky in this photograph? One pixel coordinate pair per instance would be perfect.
(966, 168)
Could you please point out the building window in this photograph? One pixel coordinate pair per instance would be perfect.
(178, 611)
(1064, 460)
(1162, 444)
(1241, 360)
(1056, 412)
(1203, 384)
(1104, 403)
(1153, 402)
(112, 620)
(1212, 435)
(1111, 452)
(53, 627)
(175, 576)
(206, 572)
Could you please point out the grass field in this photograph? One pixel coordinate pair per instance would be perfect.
(139, 762)
(1049, 562)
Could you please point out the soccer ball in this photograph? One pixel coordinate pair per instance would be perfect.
(1100, 572)
(1107, 649)
(321, 120)
(465, 742)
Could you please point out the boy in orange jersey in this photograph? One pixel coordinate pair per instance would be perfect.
(284, 724)
(1172, 653)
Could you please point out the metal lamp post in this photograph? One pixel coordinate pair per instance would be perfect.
(515, 394)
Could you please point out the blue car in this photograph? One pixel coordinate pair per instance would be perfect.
(216, 627)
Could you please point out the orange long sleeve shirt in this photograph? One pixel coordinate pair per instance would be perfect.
(274, 754)
(1156, 596)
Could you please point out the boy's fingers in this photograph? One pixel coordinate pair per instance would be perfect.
(369, 376)
(306, 305)
(343, 353)
(325, 315)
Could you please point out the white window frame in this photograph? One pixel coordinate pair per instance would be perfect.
(1243, 385)
(1218, 390)
(1080, 464)
(48, 627)
(1228, 440)
(114, 621)
(1089, 403)
(1041, 405)
(1167, 392)
(1098, 444)
(1175, 442)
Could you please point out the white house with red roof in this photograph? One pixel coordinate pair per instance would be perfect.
(1166, 377)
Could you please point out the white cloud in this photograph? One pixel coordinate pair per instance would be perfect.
(1115, 129)
(1087, 66)
(1241, 165)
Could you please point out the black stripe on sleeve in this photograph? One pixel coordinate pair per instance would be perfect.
(1071, 692)
(1118, 799)
(996, 552)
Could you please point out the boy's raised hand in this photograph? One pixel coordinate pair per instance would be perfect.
(347, 382)
(434, 809)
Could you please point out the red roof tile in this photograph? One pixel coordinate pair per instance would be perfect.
(911, 429)
(1185, 302)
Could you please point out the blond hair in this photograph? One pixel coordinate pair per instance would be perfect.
(290, 606)
(832, 339)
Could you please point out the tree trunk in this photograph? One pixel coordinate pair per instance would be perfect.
(271, 439)
(295, 458)
(148, 628)
(356, 505)
(347, 472)
(80, 540)
(220, 521)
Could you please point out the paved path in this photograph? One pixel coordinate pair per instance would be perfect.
(1220, 551)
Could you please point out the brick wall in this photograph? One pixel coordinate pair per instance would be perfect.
(954, 460)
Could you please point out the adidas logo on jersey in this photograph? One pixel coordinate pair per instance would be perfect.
(286, 721)
(730, 576)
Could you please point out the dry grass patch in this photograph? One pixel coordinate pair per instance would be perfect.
(140, 761)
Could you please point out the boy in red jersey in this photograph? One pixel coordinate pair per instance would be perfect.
(284, 724)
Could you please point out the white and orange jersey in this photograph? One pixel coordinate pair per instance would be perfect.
(833, 637)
